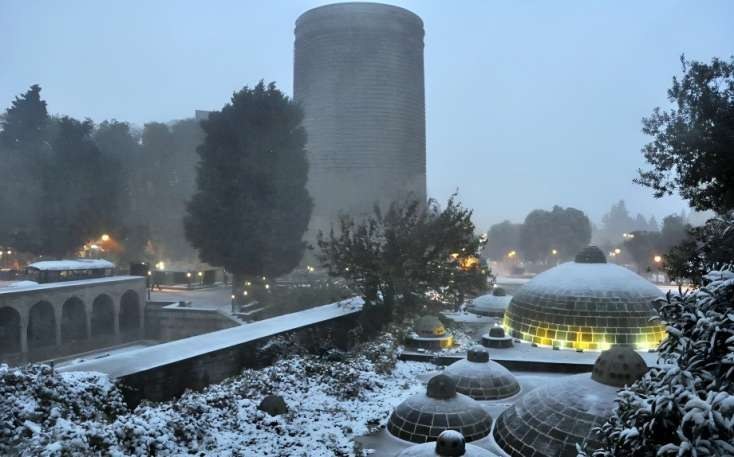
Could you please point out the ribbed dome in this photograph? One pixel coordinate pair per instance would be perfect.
(550, 420)
(482, 379)
(587, 306)
(496, 338)
(422, 417)
(449, 444)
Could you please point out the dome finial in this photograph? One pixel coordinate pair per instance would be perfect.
(450, 443)
(618, 366)
(590, 254)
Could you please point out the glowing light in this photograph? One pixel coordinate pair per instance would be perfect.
(160, 266)
(199, 274)
(232, 296)
(94, 247)
(243, 293)
(657, 259)
(617, 251)
(105, 237)
(248, 283)
(264, 278)
(188, 275)
(150, 273)
(454, 255)
(10, 252)
(511, 254)
(554, 252)
(267, 286)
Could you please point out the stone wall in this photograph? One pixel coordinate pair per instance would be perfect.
(168, 322)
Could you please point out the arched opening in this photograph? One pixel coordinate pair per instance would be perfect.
(129, 312)
(103, 316)
(73, 320)
(9, 330)
(41, 326)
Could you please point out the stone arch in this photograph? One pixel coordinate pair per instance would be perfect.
(41, 325)
(73, 320)
(130, 312)
(9, 330)
(103, 316)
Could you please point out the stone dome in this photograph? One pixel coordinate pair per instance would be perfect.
(422, 417)
(550, 420)
(492, 304)
(449, 443)
(428, 326)
(586, 304)
(481, 378)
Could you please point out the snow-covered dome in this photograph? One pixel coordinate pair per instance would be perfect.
(481, 378)
(493, 304)
(428, 326)
(422, 417)
(586, 304)
(449, 443)
(550, 420)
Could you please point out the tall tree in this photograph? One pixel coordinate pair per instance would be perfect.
(24, 149)
(251, 207)
(502, 238)
(79, 190)
(692, 151)
(563, 230)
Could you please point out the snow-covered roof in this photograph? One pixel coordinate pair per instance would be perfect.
(78, 264)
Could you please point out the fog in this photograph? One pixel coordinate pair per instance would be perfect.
(528, 105)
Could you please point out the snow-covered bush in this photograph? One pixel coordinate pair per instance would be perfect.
(688, 409)
(37, 400)
(331, 399)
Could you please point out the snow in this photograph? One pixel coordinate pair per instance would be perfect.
(330, 403)
(22, 284)
(130, 362)
(579, 279)
(78, 264)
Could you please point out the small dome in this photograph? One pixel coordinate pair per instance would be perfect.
(492, 304)
(590, 254)
(496, 339)
(550, 420)
(449, 443)
(428, 326)
(481, 378)
(499, 292)
(585, 305)
(497, 332)
(618, 367)
(422, 417)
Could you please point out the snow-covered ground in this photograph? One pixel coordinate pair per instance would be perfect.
(331, 400)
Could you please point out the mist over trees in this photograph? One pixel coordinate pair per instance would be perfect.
(65, 182)
(251, 207)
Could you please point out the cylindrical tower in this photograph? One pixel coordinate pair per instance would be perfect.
(358, 74)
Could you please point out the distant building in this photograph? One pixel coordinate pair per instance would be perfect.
(201, 115)
(358, 73)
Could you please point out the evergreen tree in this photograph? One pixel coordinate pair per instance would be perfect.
(692, 151)
(502, 238)
(565, 230)
(251, 207)
(24, 149)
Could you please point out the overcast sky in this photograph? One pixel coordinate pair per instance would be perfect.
(528, 103)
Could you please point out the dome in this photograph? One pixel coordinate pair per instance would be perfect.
(481, 378)
(428, 326)
(496, 338)
(586, 304)
(449, 443)
(422, 417)
(493, 304)
(550, 420)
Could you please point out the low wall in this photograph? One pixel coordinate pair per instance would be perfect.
(168, 322)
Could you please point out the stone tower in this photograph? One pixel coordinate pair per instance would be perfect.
(358, 74)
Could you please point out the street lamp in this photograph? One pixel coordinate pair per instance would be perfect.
(105, 237)
(554, 252)
(617, 251)
(657, 259)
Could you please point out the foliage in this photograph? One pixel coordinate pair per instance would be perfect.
(293, 298)
(502, 238)
(693, 142)
(706, 247)
(619, 221)
(412, 250)
(686, 409)
(251, 207)
(567, 230)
